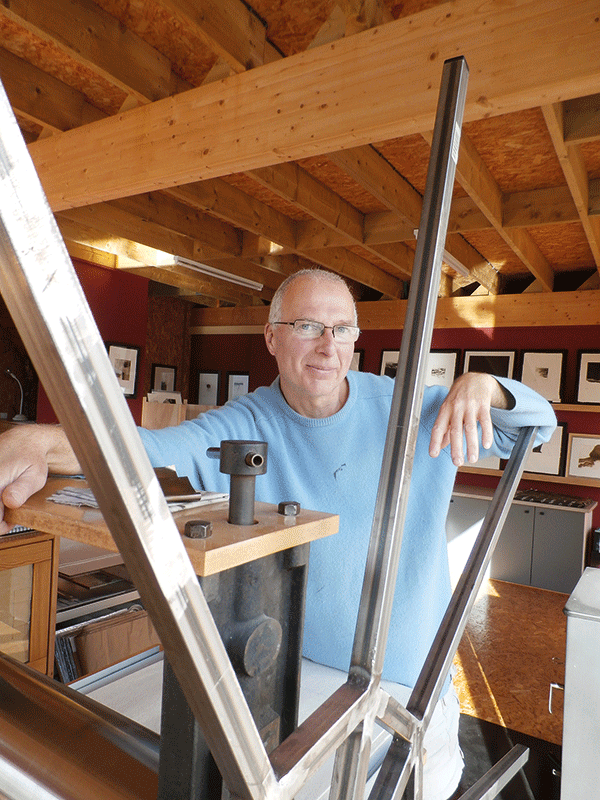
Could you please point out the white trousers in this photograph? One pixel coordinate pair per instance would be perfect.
(443, 761)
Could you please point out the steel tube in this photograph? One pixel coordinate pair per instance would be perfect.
(41, 290)
(496, 778)
(432, 677)
(127, 735)
(381, 569)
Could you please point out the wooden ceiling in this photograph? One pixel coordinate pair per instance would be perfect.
(261, 137)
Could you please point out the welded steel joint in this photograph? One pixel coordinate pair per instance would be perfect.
(242, 460)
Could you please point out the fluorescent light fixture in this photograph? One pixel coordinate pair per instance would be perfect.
(453, 262)
(216, 273)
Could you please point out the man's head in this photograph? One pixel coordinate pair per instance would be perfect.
(312, 371)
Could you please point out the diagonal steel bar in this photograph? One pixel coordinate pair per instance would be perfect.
(392, 498)
(41, 290)
(432, 678)
(496, 778)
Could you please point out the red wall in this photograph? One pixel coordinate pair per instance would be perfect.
(119, 304)
(235, 353)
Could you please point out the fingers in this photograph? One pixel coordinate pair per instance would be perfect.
(465, 409)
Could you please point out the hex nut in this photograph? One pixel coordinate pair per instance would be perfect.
(198, 529)
(289, 508)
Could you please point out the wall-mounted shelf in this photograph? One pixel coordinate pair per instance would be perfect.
(575, 407)
(534, 476)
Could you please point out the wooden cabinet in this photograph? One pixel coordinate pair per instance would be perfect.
(540, 545)
(28, 573)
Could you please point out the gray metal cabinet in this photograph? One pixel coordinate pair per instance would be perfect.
(540, 545)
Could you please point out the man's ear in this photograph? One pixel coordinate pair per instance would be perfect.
(269, 338)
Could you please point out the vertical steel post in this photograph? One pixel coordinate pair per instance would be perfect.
(392, 498)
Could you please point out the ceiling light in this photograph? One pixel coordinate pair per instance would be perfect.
(212, 272)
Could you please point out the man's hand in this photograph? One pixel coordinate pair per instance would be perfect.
(27, 452)
(468, 403)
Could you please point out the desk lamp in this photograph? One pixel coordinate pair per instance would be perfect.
(20, 417)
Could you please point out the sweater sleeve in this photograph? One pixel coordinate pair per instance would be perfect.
(530, 410)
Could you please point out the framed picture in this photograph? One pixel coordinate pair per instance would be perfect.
(124, 359)
(584, 456)
(442, 367)
(494, 362)
(544, 371)
(237, 384)
(588, 376)
(389, 363)
(164, 397)
(208, 389)
(549, 458)
(163, 378)
(485, 462)
(357, 360)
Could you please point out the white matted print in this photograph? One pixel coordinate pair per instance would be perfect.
(442, 367)
(588, 376)
(543, 371)
(549, 458)
(584, 457)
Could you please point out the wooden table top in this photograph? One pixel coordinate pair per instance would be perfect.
(229, 546)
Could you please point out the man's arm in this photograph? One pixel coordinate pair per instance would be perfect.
(468, 404)
(27, 454)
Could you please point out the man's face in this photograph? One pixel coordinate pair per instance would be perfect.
(312, 371)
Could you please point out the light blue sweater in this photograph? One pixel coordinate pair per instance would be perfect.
(333, 465)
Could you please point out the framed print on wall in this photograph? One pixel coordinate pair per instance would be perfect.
(389, 363)
(208, 389)
(544, 371)
(357, 360)
(588, 376)
(237, 384)
(584, 457)
(494, 362)
(163, 378)
(442, 367)
(549, 458)
(124, 359)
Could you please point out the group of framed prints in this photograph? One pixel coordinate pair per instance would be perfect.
(209, 385)
(574, 455)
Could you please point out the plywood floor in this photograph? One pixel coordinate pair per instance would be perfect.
(513, 648)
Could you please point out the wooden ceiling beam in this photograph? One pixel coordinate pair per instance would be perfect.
(94, 39)
(375, 174)
(230, 204)
(42, 98)
(295, 107)
(474, 176)
(227, 27)
(213, 238)
(192, 281)
(575, 173)
(295, 185)
(353, 266)
(581, 119)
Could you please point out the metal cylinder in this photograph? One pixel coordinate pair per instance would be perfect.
(243, 460)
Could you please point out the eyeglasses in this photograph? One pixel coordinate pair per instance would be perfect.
(308, 329)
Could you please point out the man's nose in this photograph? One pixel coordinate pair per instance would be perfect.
(326, 340)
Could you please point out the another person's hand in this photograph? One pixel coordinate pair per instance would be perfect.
(468, 404)
(27, 452)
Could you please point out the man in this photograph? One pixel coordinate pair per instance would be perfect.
(325, 428)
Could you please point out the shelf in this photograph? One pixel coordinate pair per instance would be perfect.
(575, 407)
(534, 476)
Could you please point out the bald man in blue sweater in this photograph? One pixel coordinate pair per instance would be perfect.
(325, 427)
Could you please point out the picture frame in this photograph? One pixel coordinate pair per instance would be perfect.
(124, 359)
(550, 458)
(493, 362)
(389, 363)
(208, 388)
(237, 384)
(485, 462)
(588, 377)
(163, 378)
(442, 367)
(357, 360)
(164, 397)
(583, 460)
(544, 371)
